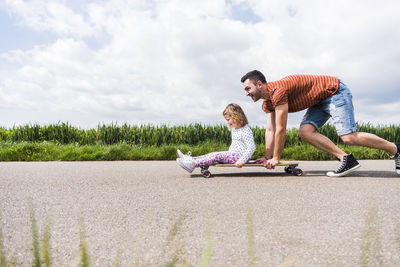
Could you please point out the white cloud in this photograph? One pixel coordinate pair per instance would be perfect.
(181, 61)
(50, 16)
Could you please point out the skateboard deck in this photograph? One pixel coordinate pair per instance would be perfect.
(290, 167)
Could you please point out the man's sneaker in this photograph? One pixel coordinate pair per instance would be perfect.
(347, 165)
(187, 164)
(396, 158)
(183, 156)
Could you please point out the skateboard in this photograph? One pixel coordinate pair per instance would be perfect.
(290, 167)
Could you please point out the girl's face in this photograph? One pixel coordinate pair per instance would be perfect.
(229, 120)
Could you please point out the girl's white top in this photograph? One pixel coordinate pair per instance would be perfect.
(243, 143)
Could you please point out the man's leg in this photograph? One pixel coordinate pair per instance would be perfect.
(373, 141)
(347, 162)
(342, 111)
(309, 133)
(339, 107)
(369, 140)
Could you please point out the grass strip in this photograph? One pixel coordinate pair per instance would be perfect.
(192, 134)
(49, 151)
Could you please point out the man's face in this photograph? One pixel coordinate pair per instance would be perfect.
(252, 90)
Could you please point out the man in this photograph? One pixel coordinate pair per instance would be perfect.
(325, 97)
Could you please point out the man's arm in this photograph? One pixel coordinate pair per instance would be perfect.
(270, 135)
(281, 114)
(269, 138)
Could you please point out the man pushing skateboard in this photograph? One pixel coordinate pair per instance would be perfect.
(324, 97)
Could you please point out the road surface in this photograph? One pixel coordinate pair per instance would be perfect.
(151, 213)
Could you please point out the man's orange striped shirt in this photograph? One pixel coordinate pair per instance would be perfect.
(300, 91)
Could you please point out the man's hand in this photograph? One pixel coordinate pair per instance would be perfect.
(260, 160)
(239, 164)
(271, 163)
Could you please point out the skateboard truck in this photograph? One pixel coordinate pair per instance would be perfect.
(205, 172)
(292, 169)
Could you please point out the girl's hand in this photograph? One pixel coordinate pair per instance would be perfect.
(239, 164)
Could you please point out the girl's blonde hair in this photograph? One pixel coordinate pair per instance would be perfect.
(237, 114)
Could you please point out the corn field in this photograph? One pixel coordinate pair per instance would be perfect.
(151, 135)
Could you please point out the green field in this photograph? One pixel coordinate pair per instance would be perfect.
(65, 142)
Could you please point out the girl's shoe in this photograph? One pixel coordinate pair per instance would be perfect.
(183, 156)
(187, 164)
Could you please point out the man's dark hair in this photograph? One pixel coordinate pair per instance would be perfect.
(254, 76)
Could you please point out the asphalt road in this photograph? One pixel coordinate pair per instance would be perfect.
(151, 213)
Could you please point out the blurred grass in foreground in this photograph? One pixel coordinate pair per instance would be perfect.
(174, 250)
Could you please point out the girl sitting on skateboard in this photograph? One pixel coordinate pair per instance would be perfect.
(240, 150)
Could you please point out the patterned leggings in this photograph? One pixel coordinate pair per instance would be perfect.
(214, 157)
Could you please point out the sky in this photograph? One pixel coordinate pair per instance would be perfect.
(178, 62)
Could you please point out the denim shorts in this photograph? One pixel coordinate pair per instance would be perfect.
(339, 107)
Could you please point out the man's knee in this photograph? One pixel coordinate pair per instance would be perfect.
(306, 130)
(303, 134)
(349, 139)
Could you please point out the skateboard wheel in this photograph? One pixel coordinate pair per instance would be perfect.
(206, 173)
(203, 169)
(288, 169)
(298, 172)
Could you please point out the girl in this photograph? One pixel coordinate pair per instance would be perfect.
(240, 151)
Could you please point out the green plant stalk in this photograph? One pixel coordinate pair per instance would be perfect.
(371, 248)
(206, 256)
(85, 259)
(46, 248)
(139, 240)
(250, 237)
(117, 261)
(3, 258)
(398, 237)
(172, 234)
(37, 262)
